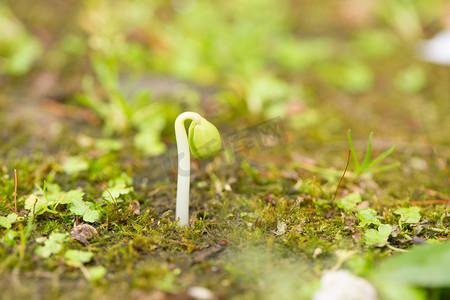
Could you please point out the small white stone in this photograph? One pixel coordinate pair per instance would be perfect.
(342, 285)
(200, 293)
(437, 49)
(317, 252)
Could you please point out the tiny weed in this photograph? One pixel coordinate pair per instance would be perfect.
(368, 165)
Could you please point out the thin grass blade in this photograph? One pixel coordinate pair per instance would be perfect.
(385, 168)
(352, 149)
(381, 156)
(366, 161)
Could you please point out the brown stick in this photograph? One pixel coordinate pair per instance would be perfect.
(12, 209)
(15, 191)
(114, 200)
(425, 202)
(340, 181)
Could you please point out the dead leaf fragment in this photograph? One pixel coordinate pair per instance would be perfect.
(135, 208)
(205, 253)
(83, 233)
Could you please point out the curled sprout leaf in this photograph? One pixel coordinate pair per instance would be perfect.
(204, 139)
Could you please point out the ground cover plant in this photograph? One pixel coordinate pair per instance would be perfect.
(334, 160)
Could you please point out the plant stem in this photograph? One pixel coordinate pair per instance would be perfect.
(112, 198)
(184, 168)
(15, 191)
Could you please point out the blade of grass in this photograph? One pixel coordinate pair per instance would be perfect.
(120, 102)
(368, 153)
(381, 157)
(385, 168)
(44, 191)
(352, 149)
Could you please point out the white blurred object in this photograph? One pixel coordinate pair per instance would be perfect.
(200, 293)
(437, 49)
(342, 285)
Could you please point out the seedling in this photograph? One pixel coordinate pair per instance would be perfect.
(367, 166)
(204, 141)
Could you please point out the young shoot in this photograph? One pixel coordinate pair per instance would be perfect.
(204, 142)
(368, 165)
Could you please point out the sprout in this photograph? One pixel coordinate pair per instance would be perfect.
(204, 141)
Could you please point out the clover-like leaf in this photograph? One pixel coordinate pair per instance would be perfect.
(76, 258)
(52, 245)
(72, 196)
(408, 214)
(116, 191)
(91, 216)
(120, 185)
(378, 237)
(367, 216)
(37, 203)
(75, 164)
(8, 220)
(96, 273)
(9, 238)
(349, 202)
(85, 210)
(204, 139)
(79, 207)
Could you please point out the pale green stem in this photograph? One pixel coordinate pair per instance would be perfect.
(184, 167)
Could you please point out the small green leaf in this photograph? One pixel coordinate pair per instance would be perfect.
(121, 185)
(76, 258)
(96, 273)
(73, 165)
(378, 237)
(52, 245)
(5, 222)
(91, 216)
(424, 266)
(85, 210)
(408, 215)
(367, 216)
(9, 238)
(349, 202)
(149, 142)
(79, 207)
(38, 203)
(108, 144)
(12, 217)
(116, 191)
(72, 196)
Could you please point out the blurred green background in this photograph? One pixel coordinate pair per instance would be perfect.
(318, 64)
